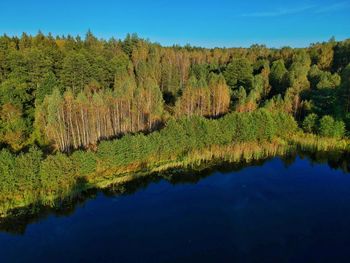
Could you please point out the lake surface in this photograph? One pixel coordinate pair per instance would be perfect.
(294, 210)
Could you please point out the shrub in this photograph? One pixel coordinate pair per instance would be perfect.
(310, 123)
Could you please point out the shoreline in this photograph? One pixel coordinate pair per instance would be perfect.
(197, 160)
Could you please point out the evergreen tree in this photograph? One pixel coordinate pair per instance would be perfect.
(239, 73)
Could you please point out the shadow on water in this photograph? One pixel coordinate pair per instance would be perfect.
(17, 224)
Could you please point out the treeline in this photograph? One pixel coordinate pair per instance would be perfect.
(32, 179)
(67, 93)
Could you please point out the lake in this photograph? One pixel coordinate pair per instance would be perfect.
(291, 210)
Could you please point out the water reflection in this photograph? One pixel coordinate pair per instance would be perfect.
(17, 225)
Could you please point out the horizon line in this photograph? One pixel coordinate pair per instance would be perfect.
(182, 45)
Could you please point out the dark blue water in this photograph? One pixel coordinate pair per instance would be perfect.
(268, 213)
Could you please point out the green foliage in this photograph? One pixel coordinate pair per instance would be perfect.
(239, 73)
(341, 55)
(32, 67)
(310, 123)
(201, 71)
(297, 76)
(69, 93)
(323, 79)
(7, 173)
(76, 71)
(84, 161)
(13, 128)
(322, 55)
(28, 178)
(326, 126)
(46, 87)
(345, 89)
(331, 128)
(278, 75)
(58, 177)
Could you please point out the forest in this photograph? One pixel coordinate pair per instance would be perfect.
(74, 110)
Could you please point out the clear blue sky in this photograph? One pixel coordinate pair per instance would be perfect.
(205, 23)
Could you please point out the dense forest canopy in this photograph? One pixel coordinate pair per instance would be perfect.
(65, 93)
(76, 114)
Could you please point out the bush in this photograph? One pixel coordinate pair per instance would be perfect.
(331, 128)
(310, 123)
